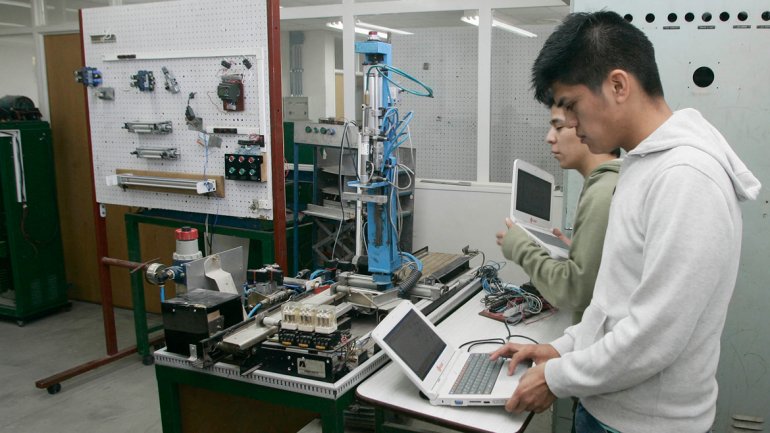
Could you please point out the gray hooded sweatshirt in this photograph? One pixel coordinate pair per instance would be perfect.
(644, 358)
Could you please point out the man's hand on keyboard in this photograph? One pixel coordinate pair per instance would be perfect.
(532, 394)
(539, 353)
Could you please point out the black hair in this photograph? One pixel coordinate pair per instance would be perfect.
(586, 47)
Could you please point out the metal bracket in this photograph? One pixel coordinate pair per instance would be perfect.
(171, 84)
(366, 198)
(106, 93)
(213, 269)
(103, 39)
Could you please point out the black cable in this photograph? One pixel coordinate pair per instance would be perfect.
(508, 338)
(340, 188)
(473, 343)
(353, 156)
(33, 242)
(501, 341)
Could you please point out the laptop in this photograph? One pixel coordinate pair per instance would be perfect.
(439, 369)
(531, 191)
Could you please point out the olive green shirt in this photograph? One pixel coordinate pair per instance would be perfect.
(569, 284)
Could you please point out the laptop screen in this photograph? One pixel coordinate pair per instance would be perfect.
(533, 195)
(415, 343)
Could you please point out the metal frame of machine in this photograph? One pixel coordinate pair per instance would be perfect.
(382, 132)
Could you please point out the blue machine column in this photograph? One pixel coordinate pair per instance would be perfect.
(381, 235)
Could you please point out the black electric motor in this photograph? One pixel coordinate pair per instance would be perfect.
(15, 107)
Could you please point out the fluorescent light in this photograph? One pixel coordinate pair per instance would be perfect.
(12, 25)
(16, 3)
(29, 5)
(513, 29)
(471, 19)
(474, 20)
(360, 30)
(382, 28)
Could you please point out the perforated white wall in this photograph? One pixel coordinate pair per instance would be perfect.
(519, 123)
(444, 128)
(190, 38)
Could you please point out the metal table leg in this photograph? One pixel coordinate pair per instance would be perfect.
(137, 291)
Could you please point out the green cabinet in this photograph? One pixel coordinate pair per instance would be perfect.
(32, 280)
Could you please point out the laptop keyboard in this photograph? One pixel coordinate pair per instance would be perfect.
(549, 239)
(478, 375)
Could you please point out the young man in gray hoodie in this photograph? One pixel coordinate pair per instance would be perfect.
(644, 357)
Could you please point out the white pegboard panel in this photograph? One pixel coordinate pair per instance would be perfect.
(444, 127)
(190, 38)
(519, 123)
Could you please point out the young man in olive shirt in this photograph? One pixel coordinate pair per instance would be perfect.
(569, 284)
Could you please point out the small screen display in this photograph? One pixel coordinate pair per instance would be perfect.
(533, 195)
(415, 343)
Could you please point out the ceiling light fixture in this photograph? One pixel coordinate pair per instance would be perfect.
(474, 20)
(360, 30)
(382, 28)
(16, 3)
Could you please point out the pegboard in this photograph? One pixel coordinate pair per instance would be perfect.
(190, 38)
(519, 123)
(445, 127)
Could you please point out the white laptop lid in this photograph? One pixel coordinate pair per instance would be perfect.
(531, 192)
(411, 340)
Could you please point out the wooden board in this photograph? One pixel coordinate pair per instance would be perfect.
(156, 242)
(73, 179)
(206, 411)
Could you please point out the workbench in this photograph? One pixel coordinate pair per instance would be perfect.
(221, 382)
(389, 390)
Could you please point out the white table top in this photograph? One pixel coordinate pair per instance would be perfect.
(391, 388)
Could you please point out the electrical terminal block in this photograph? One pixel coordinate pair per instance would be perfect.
(305, 340)
(287, 337)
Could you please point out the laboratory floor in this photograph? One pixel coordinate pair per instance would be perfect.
(119, 397)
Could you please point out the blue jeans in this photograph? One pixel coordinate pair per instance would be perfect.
(587, 423)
